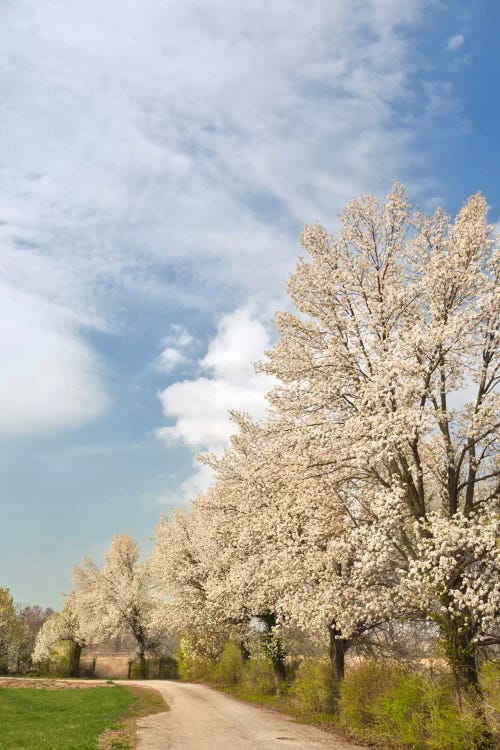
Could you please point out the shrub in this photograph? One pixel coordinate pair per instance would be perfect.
(167, 668)
(313, 686)
(383, 702)
(194, 667)
(446, 728)
(399, 712)
(362, 686)
(258, 678)
(61, 657)
(490, 683)
(229, 668)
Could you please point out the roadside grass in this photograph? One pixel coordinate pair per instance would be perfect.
(121, 735)
(101, 717)
(385, 704)
(284, 704)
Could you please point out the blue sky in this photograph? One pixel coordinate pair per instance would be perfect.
(158, 160)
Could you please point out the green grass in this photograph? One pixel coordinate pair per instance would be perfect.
(59, 719)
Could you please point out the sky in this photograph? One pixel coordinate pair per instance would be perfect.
(158, 160)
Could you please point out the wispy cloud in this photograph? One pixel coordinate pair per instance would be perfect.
(149, 143)
(455, 42)
(169, 359)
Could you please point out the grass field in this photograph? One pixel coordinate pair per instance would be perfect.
(71, 719)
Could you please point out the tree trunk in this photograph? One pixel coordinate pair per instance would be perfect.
(461, 654)
(338, 648)
(143, 666)
(245, 653)
(76, 652)
(274, 647)
(278, 660)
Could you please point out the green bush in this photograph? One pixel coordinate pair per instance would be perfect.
(447, 728)
(258, 678)
(490, 683)
(61, 657)
(363, 684)
(229, 668)
(167, 668)
(194, 667)
(400, 712)
(139, 671)
(197, 655)
(313, 686)
(383, 702)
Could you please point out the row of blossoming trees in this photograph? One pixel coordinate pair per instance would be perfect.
(370, 495)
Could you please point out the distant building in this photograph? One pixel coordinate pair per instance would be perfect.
(117, 659)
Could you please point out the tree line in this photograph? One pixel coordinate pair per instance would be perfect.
(368, 500)
(19, 627)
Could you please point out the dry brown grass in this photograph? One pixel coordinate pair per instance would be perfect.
(50, 683)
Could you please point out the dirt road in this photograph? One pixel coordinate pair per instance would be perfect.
(203, 719)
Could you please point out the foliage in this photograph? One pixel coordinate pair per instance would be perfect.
(194, 663)
(59, 662)
(230, 666)
(490, 683)
(60, 628)
(259, 678)
(371, 493)
(19, 627)
(31, 619)
(168, 668)
(383, 702)
(120, 597)
(313, 686)
(10, 632)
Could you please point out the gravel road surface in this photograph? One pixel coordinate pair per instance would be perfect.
(203, 719)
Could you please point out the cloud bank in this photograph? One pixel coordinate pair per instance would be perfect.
(169, 151)
(49, 379)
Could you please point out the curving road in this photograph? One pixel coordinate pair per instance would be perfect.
(203, 719)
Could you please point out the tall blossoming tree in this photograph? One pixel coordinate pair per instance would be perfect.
(10, 632)
(121, 597)
(59, 627)
(389, 372)
(191, 560)
(289, 562)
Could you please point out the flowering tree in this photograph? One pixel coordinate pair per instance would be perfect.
(288, 562)
(10, 632)
(59, 627)
(190, 563)
(120, 597)
(389, 373)
(31, 619)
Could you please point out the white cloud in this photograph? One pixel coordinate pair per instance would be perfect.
(200, 407)
(455, 42)
(152, 146)
(178, 336)
(49, 379)
(161, 133)
(169, 359)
